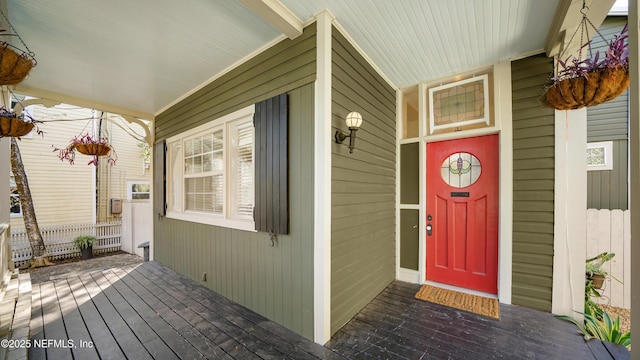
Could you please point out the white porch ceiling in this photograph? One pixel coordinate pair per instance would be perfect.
(141, 56)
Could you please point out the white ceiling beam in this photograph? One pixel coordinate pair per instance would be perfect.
(89, 104)
(278, 15)
(567, 19)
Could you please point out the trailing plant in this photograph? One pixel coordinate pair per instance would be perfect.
(616, 56)
(593, 80)
(604, 329)
(84, 241)
(594, 264)
(88, 145)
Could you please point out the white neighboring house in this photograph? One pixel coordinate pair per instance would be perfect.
(65, 194)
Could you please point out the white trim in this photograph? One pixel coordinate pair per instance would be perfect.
(485, 91)
(278, 15)
(503, 127)
(410, 276)
(607, 147)
(130, 183)
(409, 206)
(226, 219)
(504, 121)
(322, 183)
(570, 214)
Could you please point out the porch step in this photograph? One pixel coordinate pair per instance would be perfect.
(15, 313)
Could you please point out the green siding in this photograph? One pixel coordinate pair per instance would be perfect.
(283, 67)
(363, 185)
(608, 189)
(276, 282)
(533, 185)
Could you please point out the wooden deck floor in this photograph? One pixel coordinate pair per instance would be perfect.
(148, 311)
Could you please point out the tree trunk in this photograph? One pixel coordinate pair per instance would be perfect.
(40, 256)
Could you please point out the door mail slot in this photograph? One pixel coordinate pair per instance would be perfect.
(459, 194)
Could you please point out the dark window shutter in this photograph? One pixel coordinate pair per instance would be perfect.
(159, 178)
(271, 212)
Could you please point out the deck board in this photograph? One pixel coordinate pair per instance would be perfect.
(148, 311)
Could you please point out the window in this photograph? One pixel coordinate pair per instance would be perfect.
(600, 156)
(460, 105)
(210, 172)
(138, 190)
(15, 208)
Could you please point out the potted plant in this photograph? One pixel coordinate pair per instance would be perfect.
(12, 125)
(88, 145)
(594, 271)
(85, 244)
(591, 81)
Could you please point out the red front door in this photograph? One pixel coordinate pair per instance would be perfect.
(462, 213)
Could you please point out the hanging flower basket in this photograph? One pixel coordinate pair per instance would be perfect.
(87, 145)
(591, 81)
(94, 149)
(15, 63)
(592, 89)
(14, 127)
(14, 67)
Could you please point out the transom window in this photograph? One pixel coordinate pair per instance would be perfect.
(210, 172)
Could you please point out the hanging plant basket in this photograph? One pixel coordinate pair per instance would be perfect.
(87, 145)
(592, 89)
(15, 62)
(14, 126)
(594, 80)
(93, 149)
(14, 67)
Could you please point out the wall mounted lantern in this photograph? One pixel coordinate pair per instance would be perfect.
(353, 121)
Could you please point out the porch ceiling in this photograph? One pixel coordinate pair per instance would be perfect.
(140, 57)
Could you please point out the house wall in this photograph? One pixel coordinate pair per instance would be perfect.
(533, 185)
(363, 185)
(608, 189)
(112, 180)
(69, 197)
(62, 193)
(276, 282)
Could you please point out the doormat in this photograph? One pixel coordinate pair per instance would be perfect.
(455, 299)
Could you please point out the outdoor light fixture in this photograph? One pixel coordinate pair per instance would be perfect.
(353, 121)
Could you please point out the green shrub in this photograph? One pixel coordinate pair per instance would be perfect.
(84, 241)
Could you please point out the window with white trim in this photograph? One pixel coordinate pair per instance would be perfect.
(210, 172)
(138, 190)
(600, 156)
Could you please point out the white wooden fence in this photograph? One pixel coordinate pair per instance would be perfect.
(59, 240)
(610, 231)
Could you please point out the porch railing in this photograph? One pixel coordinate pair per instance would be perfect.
(59, 240)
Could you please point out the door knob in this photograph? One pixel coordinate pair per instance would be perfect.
(429, 229)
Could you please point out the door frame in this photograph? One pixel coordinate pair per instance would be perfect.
(504, 128)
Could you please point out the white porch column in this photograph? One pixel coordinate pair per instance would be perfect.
(322, 183)
(634, 158)
(570, 212)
